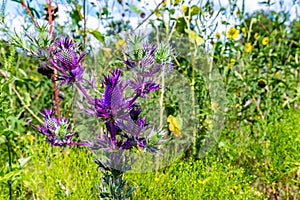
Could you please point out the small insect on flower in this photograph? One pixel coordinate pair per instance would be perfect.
(175, 125)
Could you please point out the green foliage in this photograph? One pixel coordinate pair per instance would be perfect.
(60, 173)
(19, 90)
(242, 166)
(257, 155)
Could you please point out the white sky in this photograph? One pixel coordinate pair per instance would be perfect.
(14, 18)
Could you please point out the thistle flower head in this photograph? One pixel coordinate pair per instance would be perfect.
(66, 61)
(147, 64)
(64, 43)
(57, 131)
(112, 104)
(142, 85)
(142, 61)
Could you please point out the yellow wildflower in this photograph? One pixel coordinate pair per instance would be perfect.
(204, 181)
(120, 44)
(184, 8)
(244, 32)
(195, 38)
(265, 41)
(218, 35)
(232, 62)
(256, 36)
(158, 13)
(34, 78)
(175, 125)
(248, 47)
(233, 33)
(31, 138)
(255, 70)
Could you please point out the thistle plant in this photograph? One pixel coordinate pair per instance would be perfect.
(126, 131)
(56, 130)
(66, 62)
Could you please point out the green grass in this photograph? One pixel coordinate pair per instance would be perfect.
(55, 173)
(257, 155)
(202, 179)
(260, 165)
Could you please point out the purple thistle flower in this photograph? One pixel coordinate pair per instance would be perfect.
(57, 131)
(64, 43)
(106, 143)
(111, 83)
(132, 127)
(125, 129)
(146, 65)
(142, 86)
(149, 58)
(128, 128)
(66, 61)
(130, 63)
(112, 105)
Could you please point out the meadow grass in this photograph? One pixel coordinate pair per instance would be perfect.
(263, 164)
(56, 173)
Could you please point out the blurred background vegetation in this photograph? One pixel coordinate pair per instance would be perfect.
(256, 155)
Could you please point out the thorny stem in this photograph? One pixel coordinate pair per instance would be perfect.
(133, 99)
(56, 99)
(28, 11)
(161, 100)
(113, 132)
(50, 21)
(85, 93)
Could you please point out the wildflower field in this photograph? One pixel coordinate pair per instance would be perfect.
(159, 99)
